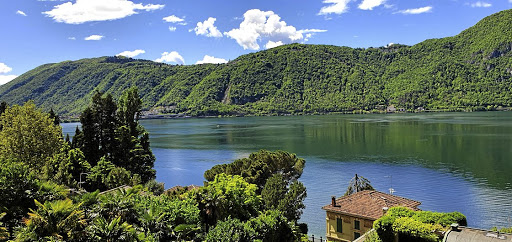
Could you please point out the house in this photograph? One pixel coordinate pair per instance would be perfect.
(351, 216)
(391, 109)
(465, 234)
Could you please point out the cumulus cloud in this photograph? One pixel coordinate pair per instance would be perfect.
(482, 4)
(6, 78)
(257, 25)
(131, 54)
(416, 10)
(370, 4)
(212, 60)
(335, 6)
(173, 19)
(208, 28)
(173, 56)
(271, 44)
(83, 11)
(94, 37)
(172, 29)
(21, 13)
(4, 68)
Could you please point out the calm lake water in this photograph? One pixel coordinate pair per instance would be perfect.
(447, 161)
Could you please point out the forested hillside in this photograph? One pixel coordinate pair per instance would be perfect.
(470, 71)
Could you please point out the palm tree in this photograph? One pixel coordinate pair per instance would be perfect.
(3, 230)
(103, 230)
(61, 220)
(357, 184)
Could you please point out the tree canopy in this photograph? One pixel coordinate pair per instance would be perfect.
(28, 135)
(357, 184)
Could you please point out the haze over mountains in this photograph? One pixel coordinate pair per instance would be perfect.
(472, 70)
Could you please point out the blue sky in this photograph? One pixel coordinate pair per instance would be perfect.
(36, 32)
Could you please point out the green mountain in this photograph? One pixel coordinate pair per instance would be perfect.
(472, 70)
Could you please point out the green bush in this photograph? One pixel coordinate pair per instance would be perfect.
(398, 212)
(410, 229)
(411, 225)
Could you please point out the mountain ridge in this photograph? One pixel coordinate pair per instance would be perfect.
(469, 71)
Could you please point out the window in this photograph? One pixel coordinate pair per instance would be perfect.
(339, 225)
(357, 225)
(356, 235)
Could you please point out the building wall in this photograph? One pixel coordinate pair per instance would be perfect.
(348, 226)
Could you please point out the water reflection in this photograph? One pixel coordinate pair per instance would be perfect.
(452, 161)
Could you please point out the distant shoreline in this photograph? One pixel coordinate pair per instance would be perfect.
(185, 116)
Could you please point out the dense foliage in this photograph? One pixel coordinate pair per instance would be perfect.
(409, 225)
(44, 200)
(470, 71)
(113, 141)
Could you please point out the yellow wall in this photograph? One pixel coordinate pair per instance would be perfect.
(348, 226)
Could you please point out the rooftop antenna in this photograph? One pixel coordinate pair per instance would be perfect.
(391, 190)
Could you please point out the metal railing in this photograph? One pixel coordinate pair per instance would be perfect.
(317, 239)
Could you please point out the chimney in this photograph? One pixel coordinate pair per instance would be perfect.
(333, 201)
(455, 227)
(384, 210)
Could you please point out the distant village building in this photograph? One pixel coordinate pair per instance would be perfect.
(465, 234)
(391, 109)
(351, 216)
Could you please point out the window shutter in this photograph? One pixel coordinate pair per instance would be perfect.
(339, 225)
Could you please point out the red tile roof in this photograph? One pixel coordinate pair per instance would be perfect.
(369, 204)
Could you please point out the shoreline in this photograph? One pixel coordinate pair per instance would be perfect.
(185, 116)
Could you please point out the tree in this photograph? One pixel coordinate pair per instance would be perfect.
(18, 188)
(112, 131)
(228, 196)
(60, 220)
(286, 198)
(134, 152)
(98, 126)
(29, 135)
(231, 230)
(54, 117)
(66, 166)
(260, 166)
(357, 184)
(4, 234)
(111, 231)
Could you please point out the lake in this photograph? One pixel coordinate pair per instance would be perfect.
(447, 161)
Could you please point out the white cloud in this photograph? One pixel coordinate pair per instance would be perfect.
(173, 19)
(171, 57)
(416, 10)
(336, 6)
(4, 68)
(71, 38)
(258, 24)
(6, 78)
(271, 44)
(97, 10)
(94, 37)
(308, 36)
(21, 13)
(208, 28)
(172, 29)
(131, 54)
(370, 4)
(211, 59)
(482, 4)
